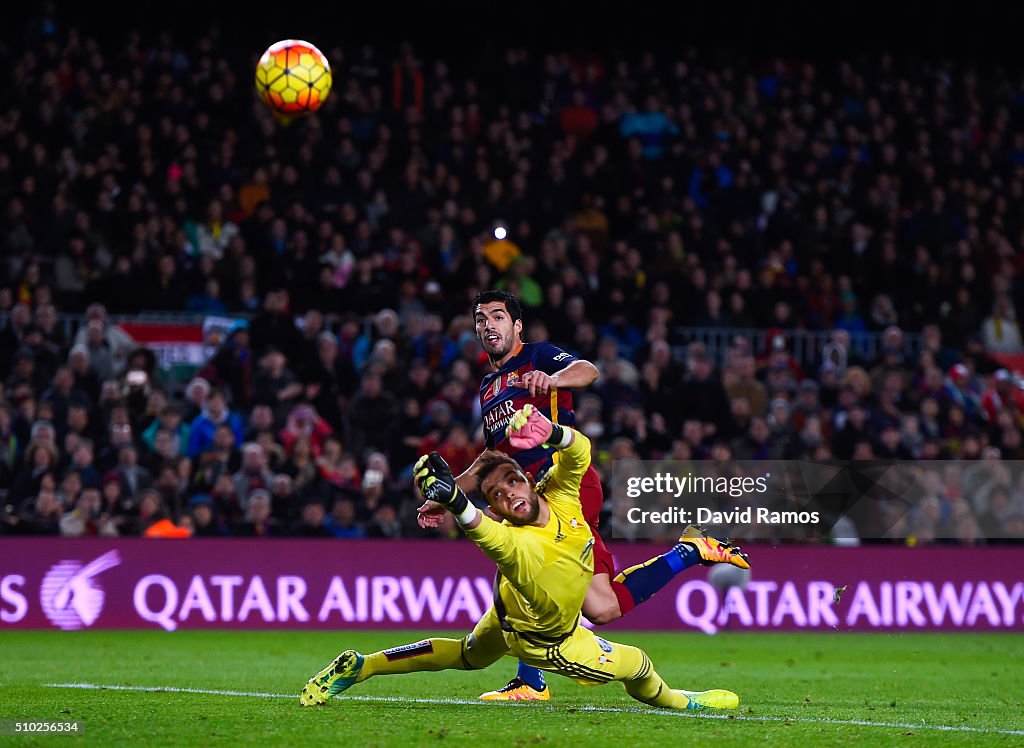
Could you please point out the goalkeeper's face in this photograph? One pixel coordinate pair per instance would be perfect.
(496, 330)
(511, 495)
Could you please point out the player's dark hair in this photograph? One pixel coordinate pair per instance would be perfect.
(488, 462)
(512, 304)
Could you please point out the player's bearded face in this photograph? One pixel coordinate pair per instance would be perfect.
(511, 496)
(495, 329)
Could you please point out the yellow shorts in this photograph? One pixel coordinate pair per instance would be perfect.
(583, 656)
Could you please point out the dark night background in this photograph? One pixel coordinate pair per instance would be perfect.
(984, 31)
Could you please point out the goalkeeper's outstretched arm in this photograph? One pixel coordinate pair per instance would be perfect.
(527, 428)
(517, 560)
(437, 484)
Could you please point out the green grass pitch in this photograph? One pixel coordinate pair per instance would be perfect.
(814, 689)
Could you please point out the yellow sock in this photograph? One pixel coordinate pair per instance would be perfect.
(655, 691)
(423, 656)
(636, 671)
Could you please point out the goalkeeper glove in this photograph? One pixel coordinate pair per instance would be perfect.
(528, 428)
(436, 483)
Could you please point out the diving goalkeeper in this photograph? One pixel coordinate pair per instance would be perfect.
(543, 551)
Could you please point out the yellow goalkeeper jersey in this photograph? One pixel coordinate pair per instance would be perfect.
(545, 571)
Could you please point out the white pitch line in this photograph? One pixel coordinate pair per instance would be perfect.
(583, 708)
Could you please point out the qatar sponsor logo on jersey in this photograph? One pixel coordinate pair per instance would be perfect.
(70, 594)
(497, 418)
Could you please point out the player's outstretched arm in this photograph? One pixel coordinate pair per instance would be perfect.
(576, 375)
(437, 484)
(431, 514)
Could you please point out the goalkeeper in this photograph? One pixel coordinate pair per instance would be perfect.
(543, 551)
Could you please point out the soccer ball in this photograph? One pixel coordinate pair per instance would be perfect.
(725, 576)
(293, 78)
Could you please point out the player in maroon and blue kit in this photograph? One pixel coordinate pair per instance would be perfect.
(543, 374)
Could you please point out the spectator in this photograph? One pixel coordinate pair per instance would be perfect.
(133, 476)
(213, 236)
(87, 517)
(1004, 394)
(312, 524)
(228, 505)
(12, 335)
(275, 383)
(86, 378)
(284, 499)
(702, 397)
(273, 327)
(335, 467)
(385, 522)
(759, 443)
(258, 520)
(43, 518)
(305, 424)
(261, 420)
(63, 393)
(120, 435)
(1001, 331)
(371, 415)
(342, 522)
(109, 337)
(329, 378)
(253, 475)
(40, 461)
(220, 458)
(215, 413)
(115, 503)
(650, 128)
(196, 392)
(204, 520)
(232, 366)
(169, 421)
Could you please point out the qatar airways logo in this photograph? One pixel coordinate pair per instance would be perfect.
(767, 604)
(70, 594)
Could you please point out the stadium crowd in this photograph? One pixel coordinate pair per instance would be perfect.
(640, 195)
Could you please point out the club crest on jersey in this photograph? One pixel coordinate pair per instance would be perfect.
(573, 523)
(512, 378)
